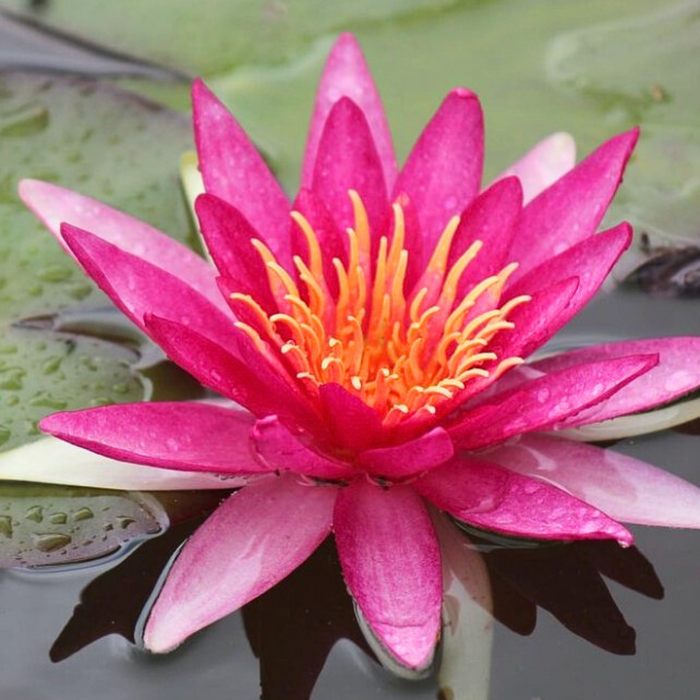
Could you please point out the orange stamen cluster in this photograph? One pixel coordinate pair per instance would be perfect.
(399, 355)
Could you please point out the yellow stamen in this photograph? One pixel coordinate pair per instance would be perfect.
(403, 352)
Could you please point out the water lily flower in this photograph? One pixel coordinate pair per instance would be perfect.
(375, 332)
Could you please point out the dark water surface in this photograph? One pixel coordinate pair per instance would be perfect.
(44, 656)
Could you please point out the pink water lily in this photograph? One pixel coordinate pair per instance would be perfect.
(374, 332)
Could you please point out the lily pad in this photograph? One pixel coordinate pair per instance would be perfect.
(417, 63)
(211, 36)
(49, 526)
(111, 145)
(648, 68)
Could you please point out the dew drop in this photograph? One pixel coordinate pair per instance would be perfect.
(35, 513)
(51, 542)
(83, 514)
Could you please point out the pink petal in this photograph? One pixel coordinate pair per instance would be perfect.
(233, 170)
(536, 321)
(571, 209)
(391, 563)
(346, 74)
(54, 205)
(491, 218)
(53, 461)
(184, 436)
(240, 373)
(544, 164)
(533, 323)
(228, 237)
(251, 542)
(677, 373)
(443, 171)
(281, 450)
(137, 287)
(542, 402)
(352, 423)
(347, 159)
(493, 498)
(331, 241)
(626, 488)
(413, 240)
(590, 260)
(409, 458)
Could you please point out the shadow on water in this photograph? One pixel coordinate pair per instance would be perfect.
(293, 627)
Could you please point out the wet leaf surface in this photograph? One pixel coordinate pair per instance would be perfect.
(50, 526)
(105, 143)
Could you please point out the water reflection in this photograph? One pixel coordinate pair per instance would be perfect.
(293, 627)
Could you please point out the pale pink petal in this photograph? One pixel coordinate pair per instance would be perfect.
(493, 498)
(184, 435)
(491, 218)
(233, 170)
(391, 563)
(137, 287)
(544, 164)
(409, 458)
(545, 401)
(346, 74)
(251, 542)
(677, 373)
(625, 488)
(281, 450)
(239, 372)
(54, 205)
(572, 208)
(443, 171)
(347, 159)
(352, 423)
(228, 237)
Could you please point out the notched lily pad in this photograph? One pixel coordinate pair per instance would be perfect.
(49, 526)
(105, 143)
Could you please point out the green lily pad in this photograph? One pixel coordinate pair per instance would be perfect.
(50, 526)
(103, 142)
(211, 37)
(481, 46)
(648, 68)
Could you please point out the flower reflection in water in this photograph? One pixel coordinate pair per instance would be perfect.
(293, 627)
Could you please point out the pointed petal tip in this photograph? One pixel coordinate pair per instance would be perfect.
(27, 188)
(160, 639)
(346, 42)
(462, 93)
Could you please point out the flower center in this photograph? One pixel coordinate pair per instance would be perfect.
(400, 354)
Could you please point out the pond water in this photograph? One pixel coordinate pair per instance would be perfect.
(67, 632)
